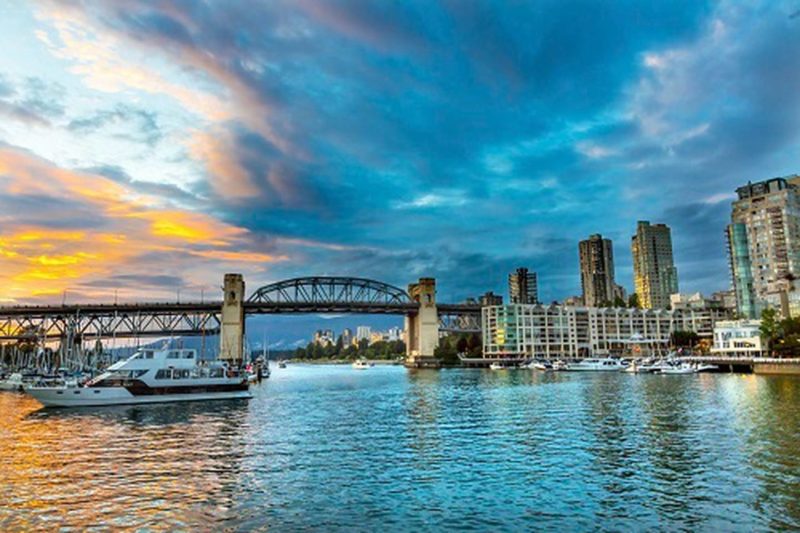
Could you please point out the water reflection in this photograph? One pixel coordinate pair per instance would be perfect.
(329, 448)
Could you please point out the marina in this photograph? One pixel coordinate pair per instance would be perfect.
(446, 449)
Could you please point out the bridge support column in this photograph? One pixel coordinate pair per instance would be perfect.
(422, 328)
(231, 334)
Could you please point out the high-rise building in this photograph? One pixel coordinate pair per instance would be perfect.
(490, 298)
(764, 242)
(363, 332)
(347, 337)
(522, 287)
(324, 337)
(655, 277)
(597, 271)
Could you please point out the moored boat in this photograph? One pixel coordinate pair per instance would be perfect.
(498, 365)
(595, 364)
(706, 368)
(14, 382)
(360, 364)
(150, 376)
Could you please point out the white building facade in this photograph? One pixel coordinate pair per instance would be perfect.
(738, 338)
(556, 331)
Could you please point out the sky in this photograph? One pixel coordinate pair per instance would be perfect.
(146, 148)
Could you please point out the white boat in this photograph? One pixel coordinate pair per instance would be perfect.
(636, 367)
(706, 368)
(680, 368)
(560, 365)
(151, 376)
(497, 365)
(360, 364)
(544, 366)
(14, 382)
(281, 364)
(595, 364)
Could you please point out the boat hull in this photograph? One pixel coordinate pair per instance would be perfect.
(98, 397)
(590, 369)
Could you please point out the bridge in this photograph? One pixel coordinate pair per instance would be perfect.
(76, 323)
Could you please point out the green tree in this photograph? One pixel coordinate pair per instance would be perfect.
(633, 301)
(619, 302)
(770, 328)
(461, 345)
(683, 339)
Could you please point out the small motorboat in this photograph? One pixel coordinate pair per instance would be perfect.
(680, 368)
(706, 368)
(360, 364)
(281, 364)
(544, 366)
(503, 365)
(560, 366)
(14, 382)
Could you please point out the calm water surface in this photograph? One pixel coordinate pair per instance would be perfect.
(331, 448)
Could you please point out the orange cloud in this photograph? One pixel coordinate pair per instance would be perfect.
(132, 234)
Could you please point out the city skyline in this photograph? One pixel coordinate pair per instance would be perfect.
(140, 155)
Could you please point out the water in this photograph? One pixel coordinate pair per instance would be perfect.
(331, 448)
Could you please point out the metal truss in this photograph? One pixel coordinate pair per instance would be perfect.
(460, 318)
(123, 321)
(330, 290)
(301, 295)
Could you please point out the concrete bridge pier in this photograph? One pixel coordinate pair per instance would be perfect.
(422, 328)
(231, 334)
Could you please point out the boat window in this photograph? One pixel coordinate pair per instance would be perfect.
(148, 354)
(180, 373)
(188, 355)
(174, 354)
(164, 373)
(217, 372)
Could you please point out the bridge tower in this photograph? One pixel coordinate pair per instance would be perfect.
(422, 328)
(231, 335)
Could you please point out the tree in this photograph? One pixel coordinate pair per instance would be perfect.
(680, 339)
(633, 301)
(619, 302)
(461, 345)
(770, 328)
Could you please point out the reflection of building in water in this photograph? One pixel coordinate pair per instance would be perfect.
(567, 331)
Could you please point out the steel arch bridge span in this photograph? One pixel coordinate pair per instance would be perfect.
(338, 292)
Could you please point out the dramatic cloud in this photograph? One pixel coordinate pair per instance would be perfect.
(389, 140)
(97, 229)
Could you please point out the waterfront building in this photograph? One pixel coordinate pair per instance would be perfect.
(738, 338)
(556, 331)
(655, 277)
(363, 332)
(764, 242)
(573, 301)
(522, 287)
(596, 256)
